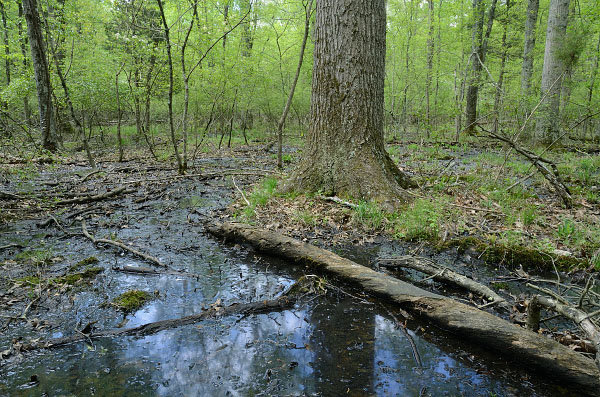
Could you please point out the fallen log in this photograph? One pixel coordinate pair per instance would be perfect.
(426, 266)
(90, 199)
(144, 256)
(283, 302)
(511, 341)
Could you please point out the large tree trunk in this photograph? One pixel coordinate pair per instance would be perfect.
(530, 23)
(344, 152)
(42, 75)
(547, 127)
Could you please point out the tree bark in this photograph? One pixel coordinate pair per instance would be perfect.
(476, 53)
(7, 63)
(23, 45)
(430, 50)
(547, 127)
(345, 152)
(533, 7)
(509, 340)
(42, 76)
(505, 48)
(592, 82)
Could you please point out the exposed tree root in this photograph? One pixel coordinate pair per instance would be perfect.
(509, 340)
(90, 199)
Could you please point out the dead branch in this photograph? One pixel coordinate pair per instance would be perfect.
(541, 164)
(146, 257)
(98, 197)
(153, 272)
(283, 302)
(338, 200)
(441, 273)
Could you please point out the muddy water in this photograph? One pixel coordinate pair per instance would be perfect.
(333, 345)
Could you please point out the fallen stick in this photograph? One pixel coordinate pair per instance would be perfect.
(444, 274)
(285, 301)
(89, 199)
(152, 272)
(510, 340)
(146, 257)
(338, 200)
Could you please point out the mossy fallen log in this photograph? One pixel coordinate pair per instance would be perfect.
(509, 340)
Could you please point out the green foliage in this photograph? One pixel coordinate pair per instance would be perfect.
(421, 220)
(565, 229)
(368, 214)
(260, 196)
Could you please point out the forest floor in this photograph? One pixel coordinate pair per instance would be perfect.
(463, 215)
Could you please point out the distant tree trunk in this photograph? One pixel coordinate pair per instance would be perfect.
(529, 45)
(186, 83)
(570, 57)
(42, 76)
(23, 45)
(591, 83)
(65, 88)
(407, 80)
(7, 63)
(505, 48)
(479, 52)
(547, 127)
(345, 152)
(180, 164)
(288, 104)
(430, 50)
(119, 113)
(473, 87)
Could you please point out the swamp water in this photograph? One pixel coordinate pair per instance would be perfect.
(326, 346)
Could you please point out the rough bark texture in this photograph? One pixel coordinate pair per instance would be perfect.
(507, 339)
(533, 7)
(42, 75)
(344, 152)
(547, 127)
(7, 62)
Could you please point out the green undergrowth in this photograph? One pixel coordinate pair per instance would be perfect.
(259, 197)
(131, 301)
(496, 253)
(68, 279)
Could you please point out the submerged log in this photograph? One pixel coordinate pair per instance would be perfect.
(509, 340)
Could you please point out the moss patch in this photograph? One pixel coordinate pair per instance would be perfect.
(85, 262)
(131, 301)
(73, 278)
(494, 253)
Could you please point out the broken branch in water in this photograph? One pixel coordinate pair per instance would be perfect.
(98, 197)
(283, 302)
(146, 257)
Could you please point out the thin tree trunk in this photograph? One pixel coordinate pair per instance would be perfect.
(42, 76)
(430, 50)
(498, 97)
(407, 69)
(119, 114)
(23, 45)
(473, 88)
(591, 84)
(180, 164)
(529, 45)
(286, 109)
(7, 63)
(186, 84)
(65, 88)
(547, 127)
